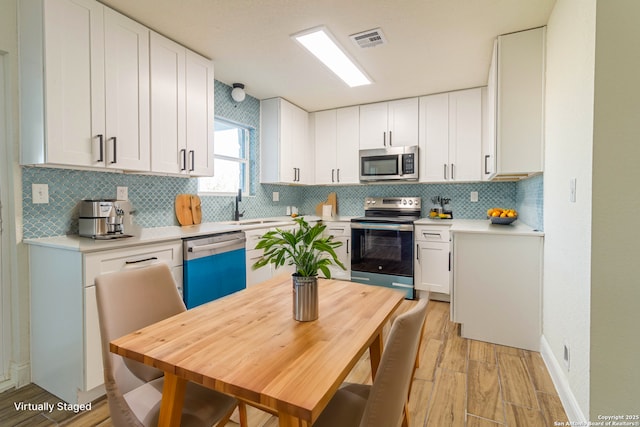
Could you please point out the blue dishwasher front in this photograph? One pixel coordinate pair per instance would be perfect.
(214, 266)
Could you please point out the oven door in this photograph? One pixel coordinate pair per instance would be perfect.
(382, 254)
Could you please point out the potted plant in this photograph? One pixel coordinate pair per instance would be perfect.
(309, 252)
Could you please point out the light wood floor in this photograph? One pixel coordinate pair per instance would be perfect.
(459, 382)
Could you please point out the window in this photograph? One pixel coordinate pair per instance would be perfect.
(230, 160)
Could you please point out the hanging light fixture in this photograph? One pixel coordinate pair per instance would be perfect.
(237, 93)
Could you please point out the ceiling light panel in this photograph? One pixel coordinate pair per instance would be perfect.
(323, 46)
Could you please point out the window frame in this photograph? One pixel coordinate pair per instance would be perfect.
(246, 160)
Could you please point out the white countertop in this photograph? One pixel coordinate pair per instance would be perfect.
(146, 236)
(516, 228)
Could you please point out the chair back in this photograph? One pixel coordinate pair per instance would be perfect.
(127, 301)
(390, 388)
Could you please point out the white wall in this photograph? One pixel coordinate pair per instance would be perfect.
(615, 252)
(568, 154)
(15, 271)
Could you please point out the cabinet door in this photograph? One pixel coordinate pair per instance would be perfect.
(489, 119)
(465, 135)
(74, 82)
(403, 122)
(167, 65)
(302, 147)
(520, 99)
(325, 134)
(373, 125)
(199, 114)
(434, 138)
(347, 145)
(127, 93)
(433, 267)
(288, 171)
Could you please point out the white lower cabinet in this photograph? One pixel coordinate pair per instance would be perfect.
(496, 294)
(253, 255)
(341, 231)
(66, 357)
(432, 263)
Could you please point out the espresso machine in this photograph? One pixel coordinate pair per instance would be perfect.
(103, 219)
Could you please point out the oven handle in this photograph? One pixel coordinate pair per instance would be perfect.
(401, 285)
(379, 226)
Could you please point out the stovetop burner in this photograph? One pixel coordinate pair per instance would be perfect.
(390, 209)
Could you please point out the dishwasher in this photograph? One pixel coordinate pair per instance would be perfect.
(214, 266)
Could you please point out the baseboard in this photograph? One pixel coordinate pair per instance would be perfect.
(569, 402)
(20, 374)
(7, 385)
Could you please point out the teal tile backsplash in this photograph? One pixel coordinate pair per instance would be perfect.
(152, 197)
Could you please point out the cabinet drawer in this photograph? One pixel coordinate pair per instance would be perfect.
(337, 229)
(140, 256)
(253, 237)
(432, 234)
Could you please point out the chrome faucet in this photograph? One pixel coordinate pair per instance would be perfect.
(236, 213)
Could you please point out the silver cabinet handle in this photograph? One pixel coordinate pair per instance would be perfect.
(338, 174)
(453, 174)
(445, 171)
(486, 167)
(390, 140)
(332, 174)
(384, 139)
(347, 246)
(418, 251)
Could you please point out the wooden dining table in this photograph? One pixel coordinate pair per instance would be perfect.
(249, 346)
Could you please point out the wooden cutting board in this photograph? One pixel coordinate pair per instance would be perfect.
(183, 209)
(332, 200)
(196, 209)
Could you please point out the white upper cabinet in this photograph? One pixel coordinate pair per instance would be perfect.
(181, 109)
(200, 115)
(285, 149)
(518, 112)
(336, 145)
(84, 86)
(451, 136)
(127, 92)
(389, 124)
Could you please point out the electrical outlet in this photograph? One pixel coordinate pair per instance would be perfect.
(474, 196)
(40, 193)
(276, 196)
(122, 193)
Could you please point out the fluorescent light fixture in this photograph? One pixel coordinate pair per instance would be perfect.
(321, 43)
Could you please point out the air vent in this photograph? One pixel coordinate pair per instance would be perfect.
(369, 38)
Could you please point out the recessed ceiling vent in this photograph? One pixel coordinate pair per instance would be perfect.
(369, 38)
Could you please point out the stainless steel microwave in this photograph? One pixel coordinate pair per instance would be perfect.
(392, 163)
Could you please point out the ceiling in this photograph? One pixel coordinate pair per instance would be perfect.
(432, 45)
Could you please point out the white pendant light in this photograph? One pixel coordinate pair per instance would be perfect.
(237, 93)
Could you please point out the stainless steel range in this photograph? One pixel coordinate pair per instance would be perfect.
(382, 243)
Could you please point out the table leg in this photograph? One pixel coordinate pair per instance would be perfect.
(172, 400)
(288, 420)
(375, 354)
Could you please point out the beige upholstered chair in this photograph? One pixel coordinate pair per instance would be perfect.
(129, 300)
(383, 403)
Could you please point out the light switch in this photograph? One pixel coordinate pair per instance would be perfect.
(474, 196)
(40, 193)
(276, 196)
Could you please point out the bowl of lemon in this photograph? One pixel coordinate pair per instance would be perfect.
(502, 216)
